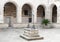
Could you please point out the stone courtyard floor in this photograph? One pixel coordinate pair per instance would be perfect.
(13, 35)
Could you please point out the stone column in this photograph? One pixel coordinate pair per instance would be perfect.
(48, 13)
(34, 15)
(19, 15)
(1, 15)
(58, 14)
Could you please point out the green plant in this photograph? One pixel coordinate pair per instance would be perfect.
(45, 22)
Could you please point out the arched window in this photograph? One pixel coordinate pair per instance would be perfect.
(26, 13)
(40, 13)
(54, 14)
(10, 13)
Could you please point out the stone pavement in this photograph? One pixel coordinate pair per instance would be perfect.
(13, 35)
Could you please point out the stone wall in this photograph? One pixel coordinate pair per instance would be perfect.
(47, 4)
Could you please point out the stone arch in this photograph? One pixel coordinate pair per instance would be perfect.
(26, 13)
(40, 13)
(10, 13)
(28, 4)
(13, 2)
(53, 9)
(52, 5)
(54, 14)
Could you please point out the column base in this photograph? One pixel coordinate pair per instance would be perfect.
(31, 34)
(31, 38)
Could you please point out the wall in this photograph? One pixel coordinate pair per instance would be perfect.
(48, 4)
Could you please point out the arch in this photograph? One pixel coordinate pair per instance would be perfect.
(29, 4)
(40, 13)
(43, 5)
(54, 14)
(13, 2)
(26, 13)
(10, 12)
(52, 5)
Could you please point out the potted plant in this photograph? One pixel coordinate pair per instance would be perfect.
(45, 23)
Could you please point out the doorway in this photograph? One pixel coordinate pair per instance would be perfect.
(26, 13)
(10, 14)
(54, 14)
(40, 13)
